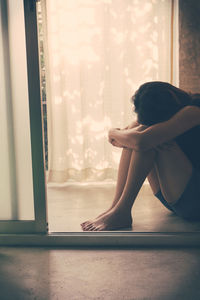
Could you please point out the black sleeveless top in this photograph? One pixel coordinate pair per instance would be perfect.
(189, 142)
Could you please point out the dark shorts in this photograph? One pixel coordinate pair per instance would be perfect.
(188, 205)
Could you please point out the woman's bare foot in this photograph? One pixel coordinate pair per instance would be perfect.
(99, 216)
(94, 220)
(112, 220)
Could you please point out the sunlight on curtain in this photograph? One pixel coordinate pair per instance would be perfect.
(97, 54)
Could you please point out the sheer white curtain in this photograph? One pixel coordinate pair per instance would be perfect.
(98, 52)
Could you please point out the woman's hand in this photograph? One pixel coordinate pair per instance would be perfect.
(111, 139)
(132, 125)
(116, 144)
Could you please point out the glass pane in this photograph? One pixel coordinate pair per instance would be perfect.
(16, 186)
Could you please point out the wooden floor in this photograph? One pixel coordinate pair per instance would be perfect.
(70, 205)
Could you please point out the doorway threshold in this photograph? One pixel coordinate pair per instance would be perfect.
(103, 239)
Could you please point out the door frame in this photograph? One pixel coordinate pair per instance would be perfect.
(72, 239)
(35, 112)
(39, 223)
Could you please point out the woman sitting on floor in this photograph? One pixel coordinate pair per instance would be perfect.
(164, 146)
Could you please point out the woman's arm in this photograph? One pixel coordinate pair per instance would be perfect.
(160, 133)
(125, 138)
(132, 125)
(111, 138)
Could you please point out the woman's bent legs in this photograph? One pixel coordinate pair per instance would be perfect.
(120, 215)
(174, 171)
(153, 181)
(167, 169)
(122, 174)
(121, 179)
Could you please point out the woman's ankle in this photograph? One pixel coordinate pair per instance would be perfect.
(121, 209)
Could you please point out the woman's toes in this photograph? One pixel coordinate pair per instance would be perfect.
(92, 228)
(83, 226)
(99, 228)
(88, 227)
(85, 223)
(88, 224)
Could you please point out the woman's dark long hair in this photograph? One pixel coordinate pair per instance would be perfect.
(158, 101)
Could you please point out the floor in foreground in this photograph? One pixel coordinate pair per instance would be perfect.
(70, 205)
(63, 274)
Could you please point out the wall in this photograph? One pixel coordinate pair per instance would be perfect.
(189, 43)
